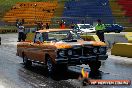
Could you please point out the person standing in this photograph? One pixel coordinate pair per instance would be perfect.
(47, 26)
(100, 30)
(23, 21)
(41, 25)
(21, 33)
(72, 25)
(17, 23)
(62, 24)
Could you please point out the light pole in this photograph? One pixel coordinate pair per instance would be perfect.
(35, 12)
(36, 27)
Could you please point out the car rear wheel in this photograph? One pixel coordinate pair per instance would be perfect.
(108, 32)
(117, 31)
(26, 62)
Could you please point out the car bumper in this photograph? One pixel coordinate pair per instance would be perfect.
(80, 60)
(102, 57)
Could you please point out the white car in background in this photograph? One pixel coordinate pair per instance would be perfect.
(82, 28)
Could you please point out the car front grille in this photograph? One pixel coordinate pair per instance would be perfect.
(83, 51)
(87, 50)
(77, 52)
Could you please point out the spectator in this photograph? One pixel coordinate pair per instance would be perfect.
(23, 21)
(17, 23)
(41, 25)
(47, 26)
(21, 35)
(72, 25)
(100, 30)
(62, 25)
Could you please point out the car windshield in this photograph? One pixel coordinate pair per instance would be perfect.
(60, 36)
(85, 26)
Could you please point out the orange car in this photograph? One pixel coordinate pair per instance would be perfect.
(60, 48)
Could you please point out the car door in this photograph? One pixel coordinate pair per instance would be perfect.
(35, 50)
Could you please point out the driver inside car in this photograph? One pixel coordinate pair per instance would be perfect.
(69, 36)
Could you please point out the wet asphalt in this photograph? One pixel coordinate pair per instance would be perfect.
(13, 74)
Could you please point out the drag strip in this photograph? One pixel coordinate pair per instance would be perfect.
(13, 74)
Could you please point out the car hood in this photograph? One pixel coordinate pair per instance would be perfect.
(61, 44)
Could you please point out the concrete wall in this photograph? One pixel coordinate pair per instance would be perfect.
(112, 38)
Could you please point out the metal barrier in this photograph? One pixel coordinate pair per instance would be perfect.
(122, 49)
(2, 31)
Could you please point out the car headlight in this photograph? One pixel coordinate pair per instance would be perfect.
(95, 50)
(62, 53)
(102, 50)
(69, 52)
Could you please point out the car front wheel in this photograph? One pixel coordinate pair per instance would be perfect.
(55, 68)
(49, 65)
(94, 65)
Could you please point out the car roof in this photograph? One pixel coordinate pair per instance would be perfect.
(53, 30)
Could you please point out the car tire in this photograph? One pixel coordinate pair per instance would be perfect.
(117, 31)
(27, 62)
(63, 68)
(51, 68)
(108, 32)
(94, 65)
(55, 68)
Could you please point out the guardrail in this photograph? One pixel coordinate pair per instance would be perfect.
(122, 49)
(2, 31)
